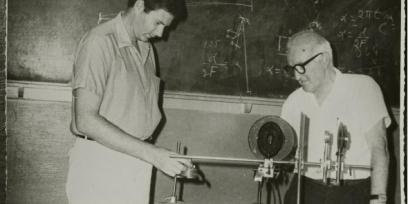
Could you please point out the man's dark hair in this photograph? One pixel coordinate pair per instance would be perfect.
(174, 7)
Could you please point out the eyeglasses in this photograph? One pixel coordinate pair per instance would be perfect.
(300, 67)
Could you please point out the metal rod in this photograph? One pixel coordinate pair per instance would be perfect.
(220, 159)
(326, 155)
(174, 187)
(178, 147)
(304, 130)
(174, 194)
(245, 55)
(354, 166)
(259, 199)
(209, 159)
(357, 166)
(339, 168)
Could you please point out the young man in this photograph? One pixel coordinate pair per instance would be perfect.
(330, 98)
(115, 108)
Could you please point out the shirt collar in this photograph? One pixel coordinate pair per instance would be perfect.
(338, 76)
(336, 82)
(123, 36)
(335, 86)
(121, 33)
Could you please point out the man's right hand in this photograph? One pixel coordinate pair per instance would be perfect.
(89, 122)
(168, 165)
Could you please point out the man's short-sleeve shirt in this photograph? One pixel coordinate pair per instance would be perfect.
(108, 65)
(357, 102)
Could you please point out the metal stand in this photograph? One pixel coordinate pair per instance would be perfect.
(266, 168)
(173, 198)
(304, 130)
(259, 197)
(326, 164)
(264, 171)
(342, 139)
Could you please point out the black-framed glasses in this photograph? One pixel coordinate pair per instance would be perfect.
(300, 67)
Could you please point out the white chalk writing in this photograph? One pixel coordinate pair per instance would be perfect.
(361, 26)
(212, 66)
(215, 51)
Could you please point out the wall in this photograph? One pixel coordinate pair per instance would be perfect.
(39, 139)
(43, 35)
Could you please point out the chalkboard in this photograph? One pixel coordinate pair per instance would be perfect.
(43, 34)
(231, 47)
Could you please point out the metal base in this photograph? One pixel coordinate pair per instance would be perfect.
(171, 199)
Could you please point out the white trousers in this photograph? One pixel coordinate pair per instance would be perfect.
(99, 175)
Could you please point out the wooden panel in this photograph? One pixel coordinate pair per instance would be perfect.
(38, 143)
(39, 140)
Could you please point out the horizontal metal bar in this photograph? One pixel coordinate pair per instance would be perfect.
(206, 159)
(210, 159)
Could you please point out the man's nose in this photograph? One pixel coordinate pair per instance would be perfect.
(297, 76)
(159, 31)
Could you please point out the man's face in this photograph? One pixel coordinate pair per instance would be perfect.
(313, 78)
(153, 24)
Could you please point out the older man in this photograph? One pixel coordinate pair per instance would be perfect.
(115, 108)
(331, 99)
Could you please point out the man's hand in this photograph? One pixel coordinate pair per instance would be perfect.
(90, 123)
(377, 201)
(168, 165)
(380, 199)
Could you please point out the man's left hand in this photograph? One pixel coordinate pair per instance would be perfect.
(378, 201)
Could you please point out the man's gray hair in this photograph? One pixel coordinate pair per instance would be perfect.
(311, 42)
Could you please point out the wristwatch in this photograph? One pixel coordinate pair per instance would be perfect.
(379, 197)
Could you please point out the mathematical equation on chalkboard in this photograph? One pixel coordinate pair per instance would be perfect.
(212, 59)
(361, 27)
(221, 56)
(363, 40)
(276, 72)
(220, 64)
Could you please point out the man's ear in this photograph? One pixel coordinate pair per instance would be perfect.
(326, 58)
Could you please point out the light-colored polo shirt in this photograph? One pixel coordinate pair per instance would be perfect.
(357, 102)
(108, 65)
